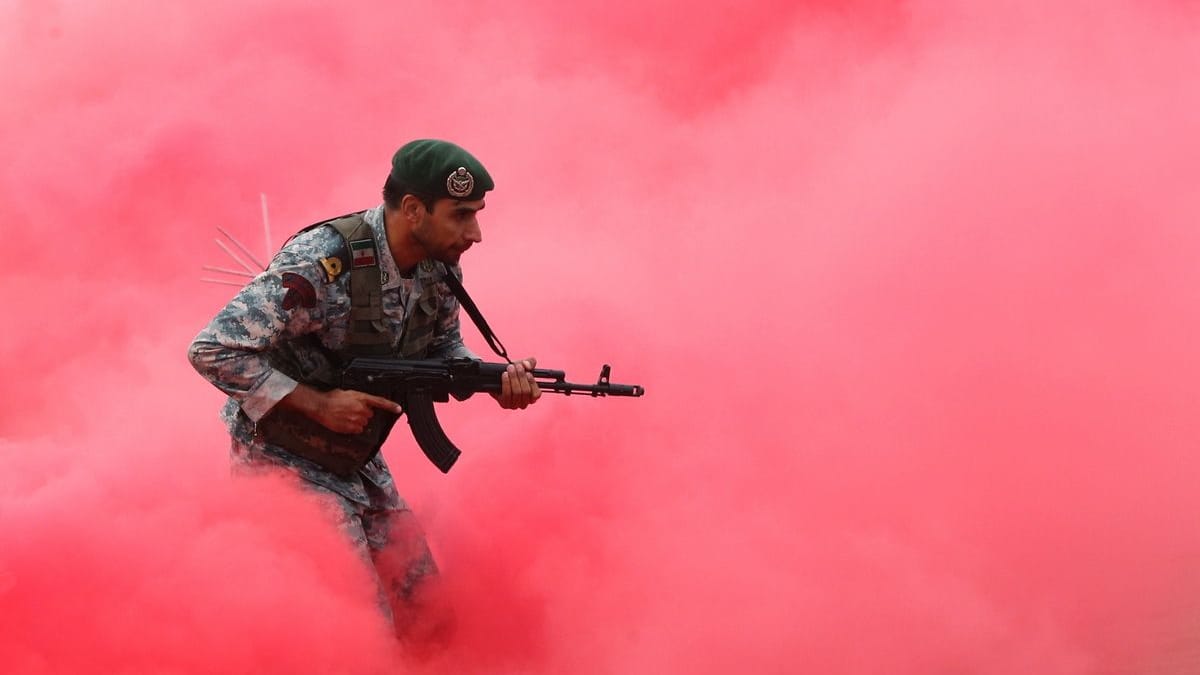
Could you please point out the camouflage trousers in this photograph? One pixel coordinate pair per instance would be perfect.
(387, 538)
(390, 542)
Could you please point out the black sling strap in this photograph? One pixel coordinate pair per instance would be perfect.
(468, 304)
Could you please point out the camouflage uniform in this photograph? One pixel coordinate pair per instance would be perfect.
(297, 313)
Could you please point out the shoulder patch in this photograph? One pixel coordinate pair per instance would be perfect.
(299, 291)
(332, 267)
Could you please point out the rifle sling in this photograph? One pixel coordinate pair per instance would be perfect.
(472, 309)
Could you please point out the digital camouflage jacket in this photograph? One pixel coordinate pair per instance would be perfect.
(291, 323)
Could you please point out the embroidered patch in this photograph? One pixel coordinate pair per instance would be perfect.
(460, 182)
(299, 291)
(362, 252)
(333, 267)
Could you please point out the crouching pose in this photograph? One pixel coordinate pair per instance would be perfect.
(367, 283)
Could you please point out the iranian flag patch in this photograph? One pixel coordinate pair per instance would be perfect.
(362, 252)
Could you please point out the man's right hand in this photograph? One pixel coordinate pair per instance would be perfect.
(344, 411)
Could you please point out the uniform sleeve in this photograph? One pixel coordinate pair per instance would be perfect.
(447, 337)
(282, 303)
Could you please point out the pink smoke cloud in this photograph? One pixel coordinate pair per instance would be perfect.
(910, 287)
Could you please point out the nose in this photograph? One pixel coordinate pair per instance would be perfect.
(473, 234)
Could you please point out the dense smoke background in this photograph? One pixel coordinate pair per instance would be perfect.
(911, 287)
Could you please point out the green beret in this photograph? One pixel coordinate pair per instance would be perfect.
(440, 169)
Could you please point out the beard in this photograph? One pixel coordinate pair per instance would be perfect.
(450, 257)
(434, 250)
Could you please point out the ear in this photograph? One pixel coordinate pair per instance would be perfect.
(412, 208)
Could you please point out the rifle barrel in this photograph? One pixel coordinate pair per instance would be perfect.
(569, 388)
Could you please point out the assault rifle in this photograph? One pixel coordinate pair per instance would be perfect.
(416, 385)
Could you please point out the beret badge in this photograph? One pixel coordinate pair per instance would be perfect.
(460, 182)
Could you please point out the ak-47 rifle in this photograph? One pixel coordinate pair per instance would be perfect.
(416, 386)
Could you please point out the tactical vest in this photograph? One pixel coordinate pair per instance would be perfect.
(308, 361)
(367, 335)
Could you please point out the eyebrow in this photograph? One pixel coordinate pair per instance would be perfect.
(459, 206)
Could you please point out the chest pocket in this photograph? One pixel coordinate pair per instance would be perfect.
(421, 323)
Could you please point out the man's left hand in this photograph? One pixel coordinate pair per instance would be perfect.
(518, 388)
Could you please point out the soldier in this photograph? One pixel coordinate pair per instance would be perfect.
(368, 283)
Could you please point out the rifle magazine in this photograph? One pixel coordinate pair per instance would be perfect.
(428, 431)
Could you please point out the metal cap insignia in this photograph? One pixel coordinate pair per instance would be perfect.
(460, 182)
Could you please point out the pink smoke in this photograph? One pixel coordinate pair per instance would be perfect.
(910, 286)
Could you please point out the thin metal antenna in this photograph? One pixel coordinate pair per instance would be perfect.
(223, 270)
(233, 255)
(241, 248)
(247, 271)
(222, 281)
(266, 224)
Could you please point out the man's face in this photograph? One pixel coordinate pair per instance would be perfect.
(450, 229)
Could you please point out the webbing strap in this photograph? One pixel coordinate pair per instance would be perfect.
(468, 304)
(365, 336)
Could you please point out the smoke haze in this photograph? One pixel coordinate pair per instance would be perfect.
(910, 285)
